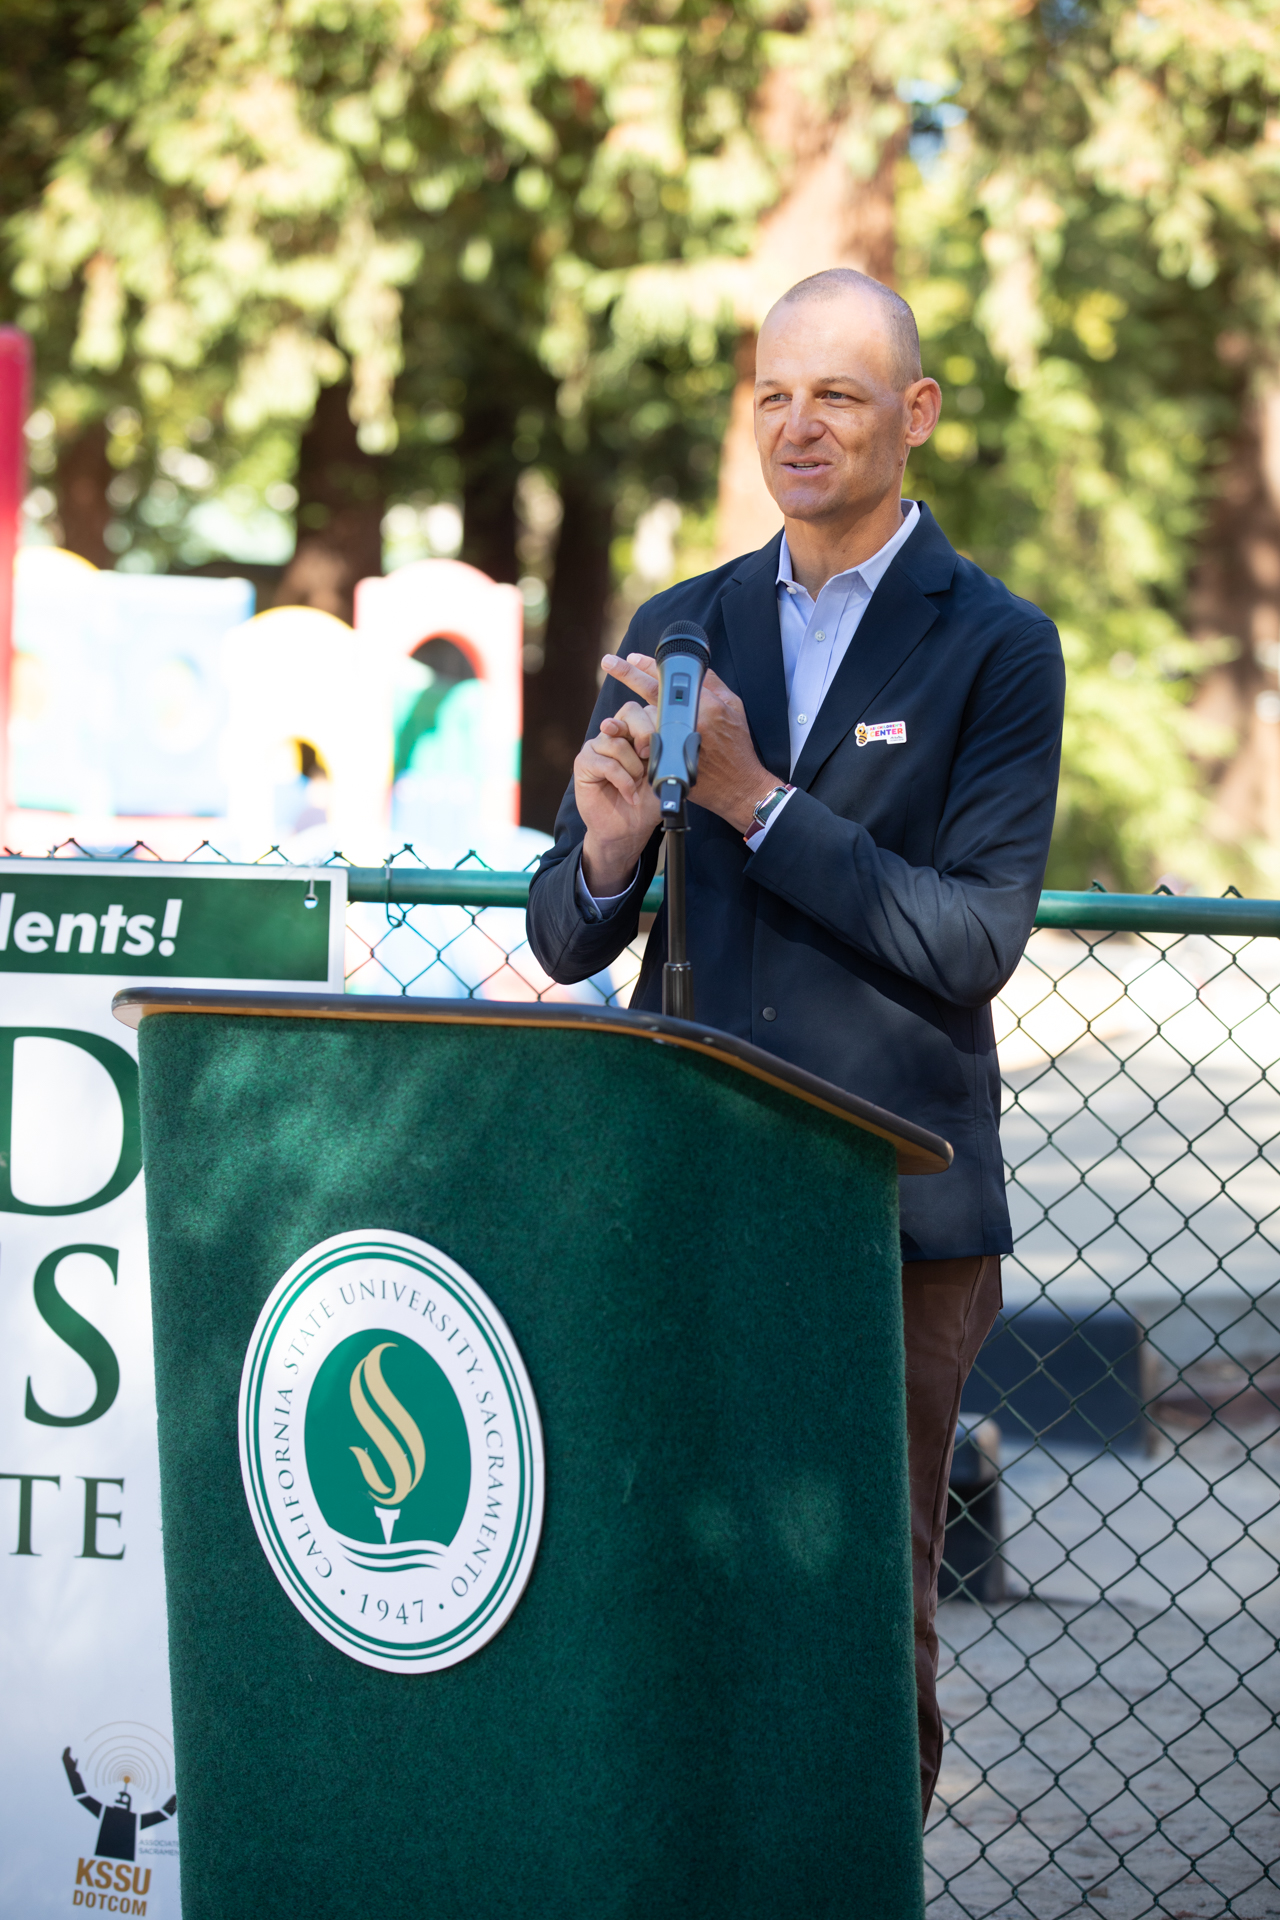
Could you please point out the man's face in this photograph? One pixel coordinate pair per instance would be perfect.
(832, 426)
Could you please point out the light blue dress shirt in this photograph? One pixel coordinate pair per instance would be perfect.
(816, 635)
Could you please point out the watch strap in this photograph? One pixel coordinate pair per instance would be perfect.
(764, 809)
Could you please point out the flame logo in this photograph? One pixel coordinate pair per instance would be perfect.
(403, 1449)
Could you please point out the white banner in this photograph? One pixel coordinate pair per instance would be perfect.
(88, 1813)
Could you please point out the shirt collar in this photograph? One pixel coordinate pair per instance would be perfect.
(871, 571)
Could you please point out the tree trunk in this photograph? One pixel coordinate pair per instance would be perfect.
(825, 218)
(489, 475)
(84, 474)
(746, 513)
(1236, 592)
(558, 698)
(341, 500)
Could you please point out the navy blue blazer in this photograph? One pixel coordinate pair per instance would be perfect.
(893, 896)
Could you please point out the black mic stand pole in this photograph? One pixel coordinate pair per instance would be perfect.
(683, 656)
(677, 972)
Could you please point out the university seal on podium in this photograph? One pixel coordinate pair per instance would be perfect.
(391, 1452)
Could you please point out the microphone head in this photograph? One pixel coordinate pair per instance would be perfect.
(684, 636)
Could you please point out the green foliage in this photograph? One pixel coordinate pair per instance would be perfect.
(439, 205)
(1082, 486)
(518, 231)
(53, 54)
(1106, 211)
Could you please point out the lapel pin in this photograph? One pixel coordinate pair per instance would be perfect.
(892, 732)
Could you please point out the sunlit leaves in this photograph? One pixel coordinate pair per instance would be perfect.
(257, 197)
(1117, 191)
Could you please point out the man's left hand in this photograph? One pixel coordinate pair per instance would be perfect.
(731, 780)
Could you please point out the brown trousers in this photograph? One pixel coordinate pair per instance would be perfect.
(948, 1309)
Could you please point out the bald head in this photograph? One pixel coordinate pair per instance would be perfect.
(897, 319)
(839, 403)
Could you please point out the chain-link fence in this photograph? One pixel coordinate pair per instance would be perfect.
(416, 930)
(1111, 1685)
(1111, 1672)
(1110, 1675)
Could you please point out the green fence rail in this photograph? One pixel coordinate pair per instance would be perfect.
(1111, 1673)
(450, 887)
(1095, 910)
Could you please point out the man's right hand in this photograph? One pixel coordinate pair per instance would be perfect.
(619, 807)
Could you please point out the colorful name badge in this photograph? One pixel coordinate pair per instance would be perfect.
(892, 732)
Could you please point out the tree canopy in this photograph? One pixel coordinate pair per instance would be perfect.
(263, 200)
(426, 214)
(1094, 263)
(431, 250)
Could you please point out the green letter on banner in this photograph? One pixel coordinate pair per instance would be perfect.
(124, 1075)
(92, 1519)
(80, 1336)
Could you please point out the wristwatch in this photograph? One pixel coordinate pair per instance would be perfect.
(764, 810)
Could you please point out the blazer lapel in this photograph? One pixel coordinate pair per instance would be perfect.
(897, 619)
(749, 608)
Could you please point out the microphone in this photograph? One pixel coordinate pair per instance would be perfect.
(683, 657)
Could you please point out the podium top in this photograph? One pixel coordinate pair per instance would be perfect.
(918, 1150)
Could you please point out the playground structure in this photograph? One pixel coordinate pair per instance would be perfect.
(166, 709)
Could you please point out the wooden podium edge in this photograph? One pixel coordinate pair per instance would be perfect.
(918, 1150)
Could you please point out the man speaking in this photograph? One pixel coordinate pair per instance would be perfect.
(880, 728)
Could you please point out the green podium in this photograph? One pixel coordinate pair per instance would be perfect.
(533, 1457)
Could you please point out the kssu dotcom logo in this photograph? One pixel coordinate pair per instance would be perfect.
(391, 1452)
(130, 1789)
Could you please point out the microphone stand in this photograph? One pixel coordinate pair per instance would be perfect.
(677, 972)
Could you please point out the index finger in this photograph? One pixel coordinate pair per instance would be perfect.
(632, 718)
(638, 671)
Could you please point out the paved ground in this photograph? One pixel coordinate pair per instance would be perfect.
(1114, 1743)
(1142, 1116)
(1115, 1746)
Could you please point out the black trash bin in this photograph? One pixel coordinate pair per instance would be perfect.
(971, 1565)
(1063, 1376)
